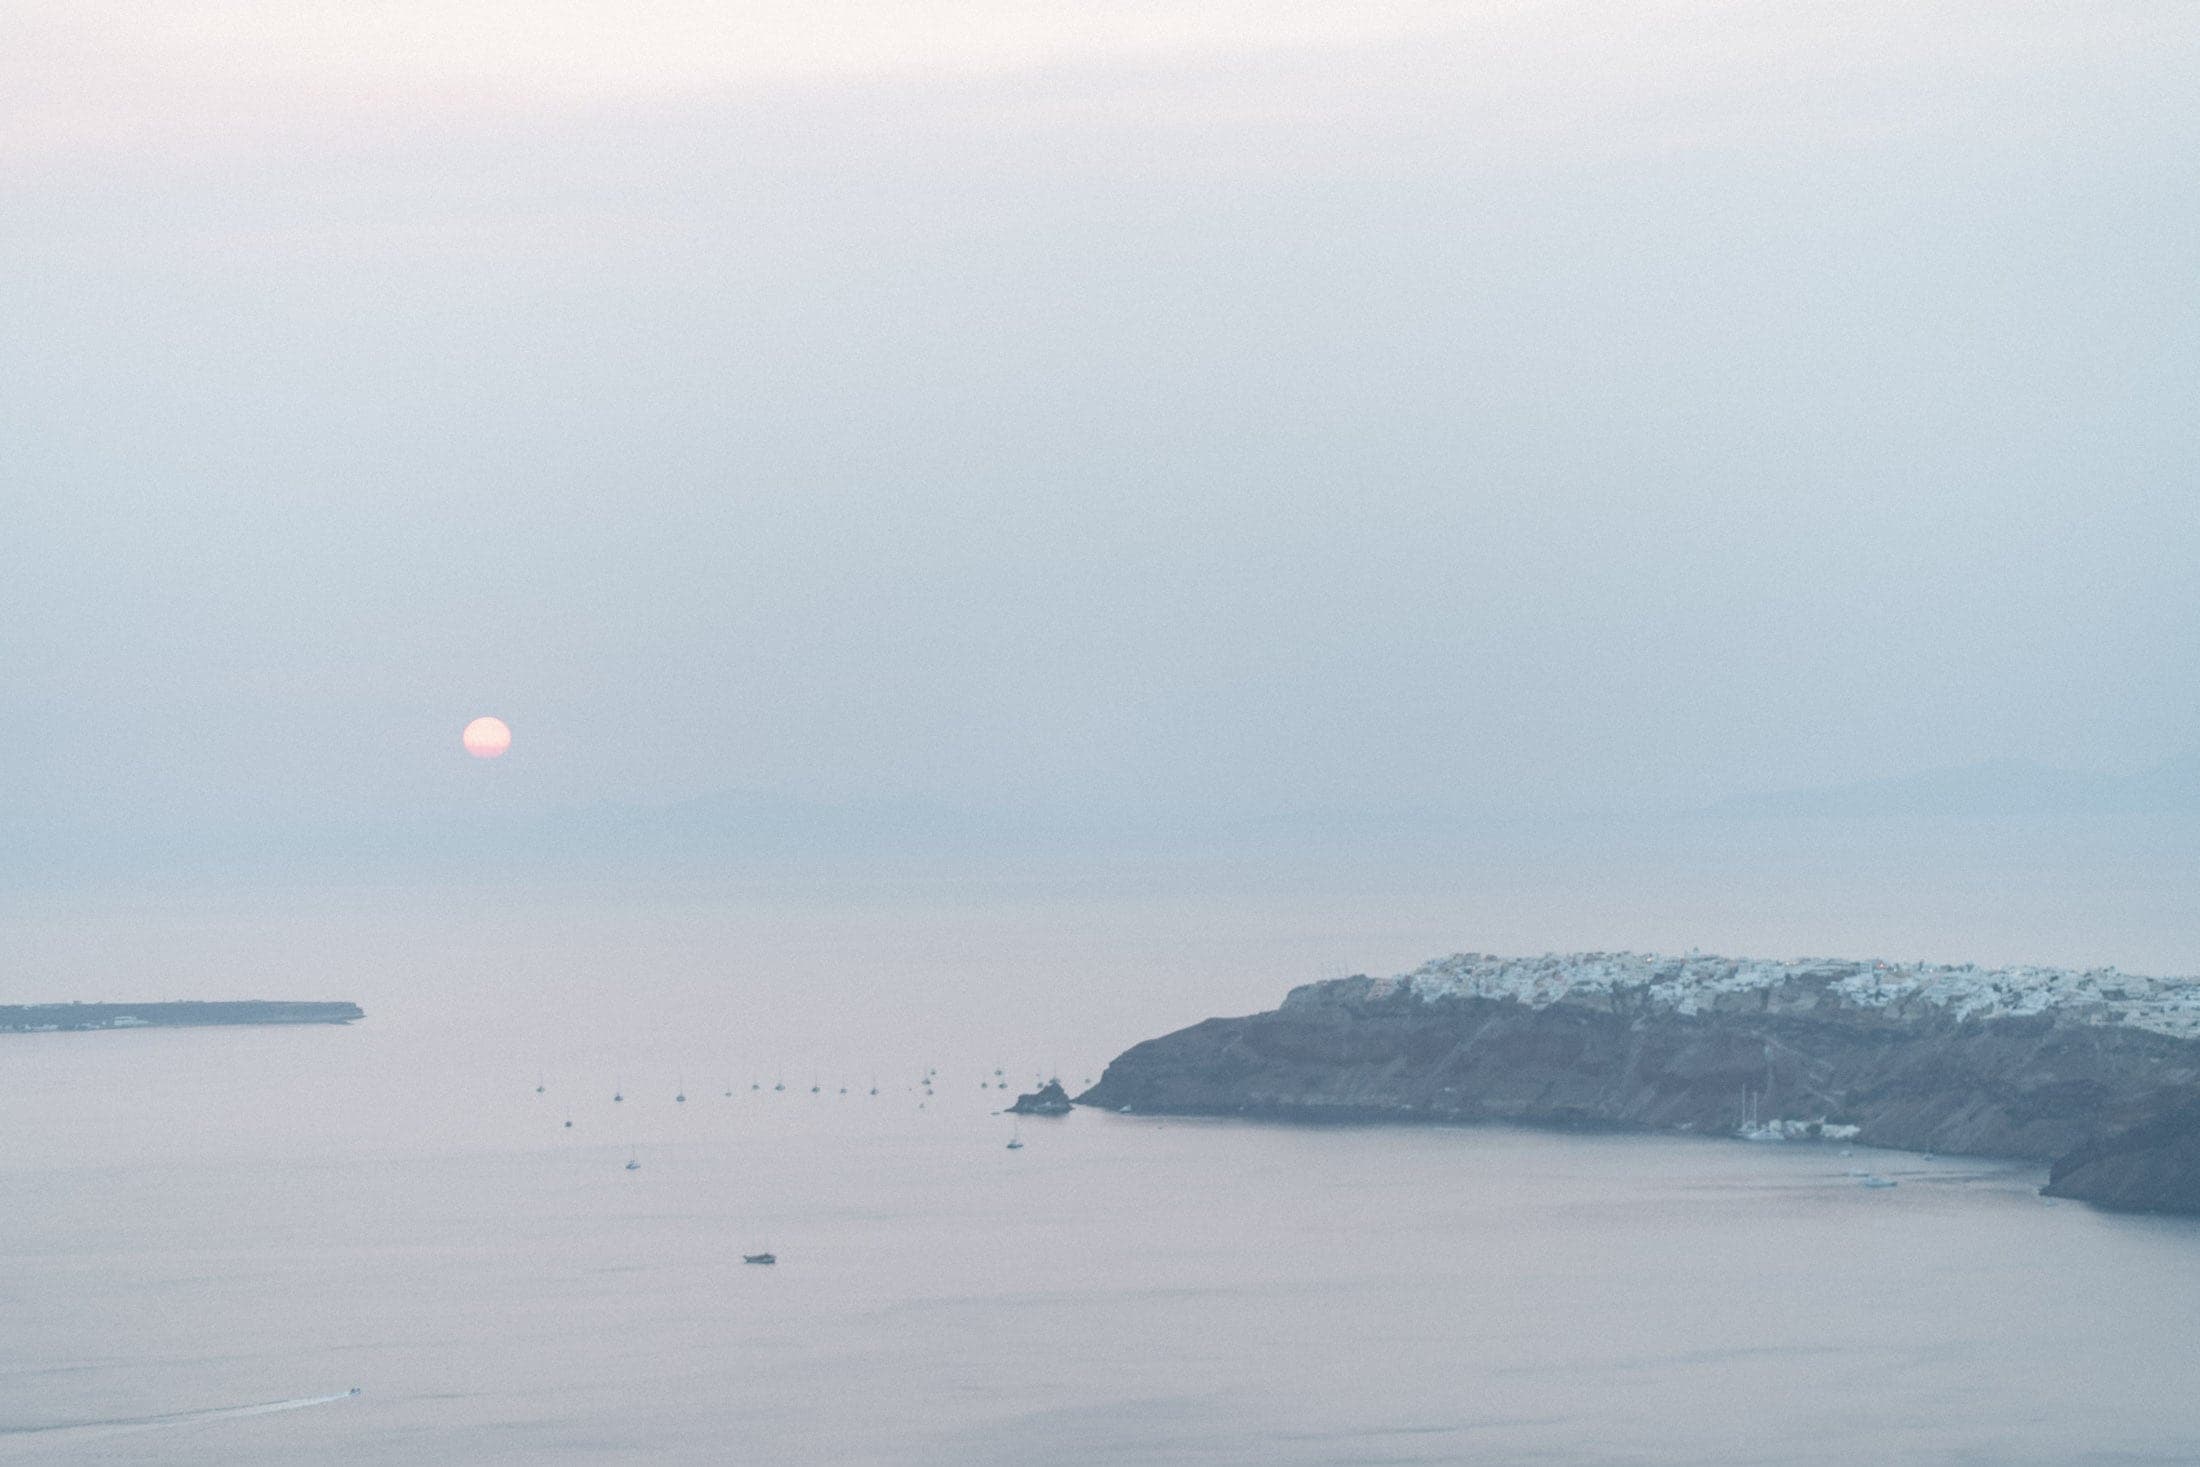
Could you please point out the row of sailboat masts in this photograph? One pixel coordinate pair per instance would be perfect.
(679, 1095)
(1751, 1120)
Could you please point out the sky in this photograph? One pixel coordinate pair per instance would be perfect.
(1099, 409)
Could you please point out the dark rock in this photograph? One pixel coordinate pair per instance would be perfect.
(2151, 1167)
(1049, 1099)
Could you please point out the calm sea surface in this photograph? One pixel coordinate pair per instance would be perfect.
(209, 1238)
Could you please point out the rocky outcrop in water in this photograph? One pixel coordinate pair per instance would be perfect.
(1049, 1099)
(1951, 1060)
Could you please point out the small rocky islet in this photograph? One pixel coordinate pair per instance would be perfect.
(2094, 1072)
(1049, 1099)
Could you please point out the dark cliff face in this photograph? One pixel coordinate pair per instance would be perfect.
(2036, 1088)
(2151, 1167)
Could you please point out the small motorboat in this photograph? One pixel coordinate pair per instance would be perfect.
(1876, 1182)
(763, 1258)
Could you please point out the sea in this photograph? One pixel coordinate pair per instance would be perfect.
(383, 1243)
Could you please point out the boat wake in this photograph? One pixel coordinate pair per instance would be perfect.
(115, 1426)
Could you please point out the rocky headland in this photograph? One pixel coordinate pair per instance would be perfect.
(2095, 1072)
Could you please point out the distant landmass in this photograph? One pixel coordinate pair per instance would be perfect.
(2095, 1072)
(50, 1017)
(1982, 791)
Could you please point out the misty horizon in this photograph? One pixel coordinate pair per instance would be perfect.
(966, 417)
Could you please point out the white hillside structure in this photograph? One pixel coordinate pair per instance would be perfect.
(1701, 982)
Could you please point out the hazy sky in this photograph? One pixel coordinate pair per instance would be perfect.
(1105, 406)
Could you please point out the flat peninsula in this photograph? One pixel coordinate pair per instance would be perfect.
(2096, 1073)
(47, 1018)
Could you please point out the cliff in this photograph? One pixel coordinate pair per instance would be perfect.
(2097, 1072)
(2151, 1167)
(47, 1017)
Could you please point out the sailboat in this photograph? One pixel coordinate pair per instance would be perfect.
(632, 1165)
